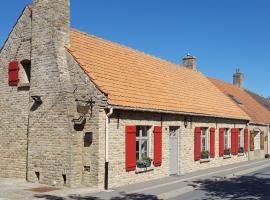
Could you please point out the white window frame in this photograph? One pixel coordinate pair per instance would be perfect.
(257, 140)
(206, 137)
(227, 133)
(241, 138)
(141, 139)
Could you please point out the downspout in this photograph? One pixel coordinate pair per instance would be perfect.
(248, 141)
(107, 147)
(268, 142)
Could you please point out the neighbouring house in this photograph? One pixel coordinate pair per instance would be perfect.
(255, 107)
(266, 104)
(80, 110)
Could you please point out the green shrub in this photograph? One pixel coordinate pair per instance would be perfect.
(241, 150)
(227, 152)
(204, 155)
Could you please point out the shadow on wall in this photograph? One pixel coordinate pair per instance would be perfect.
(252, 187)
(123, 196)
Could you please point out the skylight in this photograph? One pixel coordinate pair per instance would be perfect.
(235, 99)
(267, 106)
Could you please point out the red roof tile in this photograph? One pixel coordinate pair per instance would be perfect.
(257, 113)
(134, 79)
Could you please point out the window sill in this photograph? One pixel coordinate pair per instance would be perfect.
(143, 170)
(226, 156)
(204, 160)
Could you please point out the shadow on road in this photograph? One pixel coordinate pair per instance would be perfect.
(123, 196)
(244, 187)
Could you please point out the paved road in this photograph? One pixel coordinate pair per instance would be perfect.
(254, 185)
(248, 180)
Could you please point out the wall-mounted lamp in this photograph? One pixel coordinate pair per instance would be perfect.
(37, 99)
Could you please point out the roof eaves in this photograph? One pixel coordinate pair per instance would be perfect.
(175, 112)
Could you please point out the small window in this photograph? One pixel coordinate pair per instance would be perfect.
(142, 142)
(88, 138)
(25, 73)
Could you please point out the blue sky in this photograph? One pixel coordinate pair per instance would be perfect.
(223, 35)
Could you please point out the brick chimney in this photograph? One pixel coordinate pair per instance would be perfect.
(238, 78)
(190, 62)
(50, 120)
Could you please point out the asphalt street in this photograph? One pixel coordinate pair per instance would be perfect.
(248, 180)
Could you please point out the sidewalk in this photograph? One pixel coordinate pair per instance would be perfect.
(164, 188)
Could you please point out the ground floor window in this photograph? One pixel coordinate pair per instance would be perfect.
(142, 142)
(204, 143)
(241, 141)
(257, 140)
(227, 141)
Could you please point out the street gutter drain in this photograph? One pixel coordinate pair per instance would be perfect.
(43, 189)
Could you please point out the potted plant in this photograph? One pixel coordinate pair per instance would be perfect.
(227, 152)
(204, 155)
(241, 150)
(144, 162)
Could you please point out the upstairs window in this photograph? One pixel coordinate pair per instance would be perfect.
(25, 73)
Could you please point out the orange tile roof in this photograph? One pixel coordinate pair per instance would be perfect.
(257, 113)
(134, 79)
(260, 99)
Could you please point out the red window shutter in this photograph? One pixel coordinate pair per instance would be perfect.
(130, 148)
(13, 73)
(221, 142)
(233, 141)
(246, 140)
(212, 142)
(197, 144)
(157, 146)
(236, 140)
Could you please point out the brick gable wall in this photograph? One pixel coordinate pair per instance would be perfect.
(14, 102)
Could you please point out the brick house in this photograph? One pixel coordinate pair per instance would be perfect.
(79, 110)
(256, 107)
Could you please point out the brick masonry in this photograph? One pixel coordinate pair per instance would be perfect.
(118, 175)
(14, 102)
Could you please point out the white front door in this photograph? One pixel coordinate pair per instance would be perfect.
(173, 138)
(257, 139)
